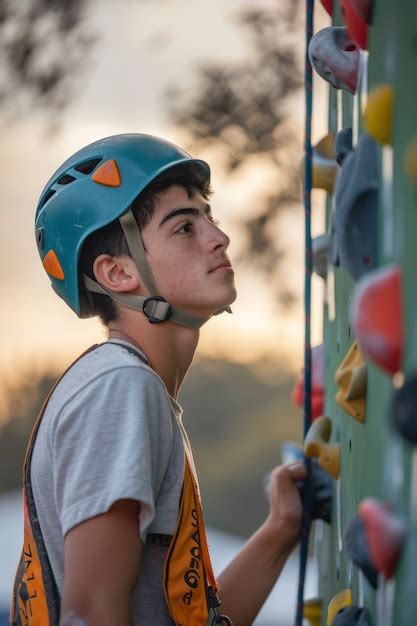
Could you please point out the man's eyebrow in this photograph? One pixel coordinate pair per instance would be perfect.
(184, 211)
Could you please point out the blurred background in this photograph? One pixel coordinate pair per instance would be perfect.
(223, 80)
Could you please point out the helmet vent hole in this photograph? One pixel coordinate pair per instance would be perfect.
(88, 166)
(47, 197)
(65, 179)
(39, 237)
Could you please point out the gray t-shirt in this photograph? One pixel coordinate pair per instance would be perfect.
(111, 431)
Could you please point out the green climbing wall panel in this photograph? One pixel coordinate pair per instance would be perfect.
(375, 460)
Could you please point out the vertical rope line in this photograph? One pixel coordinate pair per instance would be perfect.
(307, 495)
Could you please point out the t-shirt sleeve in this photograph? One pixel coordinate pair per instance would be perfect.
(112, 440)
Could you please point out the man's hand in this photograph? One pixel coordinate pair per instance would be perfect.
(247, 581)
(285, 502)
(102, 561)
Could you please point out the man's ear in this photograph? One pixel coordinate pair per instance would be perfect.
(116, 273)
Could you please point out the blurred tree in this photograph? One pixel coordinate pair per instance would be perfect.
(22, 402)
(42, 46)
(246, 109)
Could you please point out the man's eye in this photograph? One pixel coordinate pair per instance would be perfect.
(185, 229)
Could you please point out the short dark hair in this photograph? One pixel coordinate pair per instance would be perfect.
(111, 240)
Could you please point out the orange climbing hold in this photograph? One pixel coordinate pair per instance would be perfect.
(107, 174)
(377, 317)
(317, 384)
(52, 265)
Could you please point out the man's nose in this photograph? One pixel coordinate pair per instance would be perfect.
(218, 237)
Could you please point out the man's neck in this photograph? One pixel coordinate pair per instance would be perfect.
(169, 348)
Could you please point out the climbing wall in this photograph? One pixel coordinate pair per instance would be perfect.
(368, 554)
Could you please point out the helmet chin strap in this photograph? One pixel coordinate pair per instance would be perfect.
(154, 307)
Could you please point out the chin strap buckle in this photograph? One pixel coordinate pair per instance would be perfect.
(156, 309)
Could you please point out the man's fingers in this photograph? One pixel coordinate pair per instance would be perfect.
(297, 471)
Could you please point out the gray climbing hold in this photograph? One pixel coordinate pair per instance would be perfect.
(335, 57)
(354, 215)
(343, 144)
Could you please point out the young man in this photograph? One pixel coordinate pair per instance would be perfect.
(113, 528)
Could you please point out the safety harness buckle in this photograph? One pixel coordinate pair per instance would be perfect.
(156, 309)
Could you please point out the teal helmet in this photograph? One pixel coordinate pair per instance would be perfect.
(94, 187)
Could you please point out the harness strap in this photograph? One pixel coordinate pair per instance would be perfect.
(189, 583)
(35, 600)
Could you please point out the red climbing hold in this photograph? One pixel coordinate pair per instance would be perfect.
(354, 15)
(385, 532)
(377, 317)
(364, 8)
(328, 5)
(317, 384)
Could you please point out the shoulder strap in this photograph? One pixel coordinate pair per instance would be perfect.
(35, 600)
(189, 583)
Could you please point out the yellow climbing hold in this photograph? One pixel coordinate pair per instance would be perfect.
(338, 602)
(312, 611)
(351, 378)
(324, 164)
(411, 160)
(315, 445)
(379, 112)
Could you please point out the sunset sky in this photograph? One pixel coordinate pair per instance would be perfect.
(142, 47)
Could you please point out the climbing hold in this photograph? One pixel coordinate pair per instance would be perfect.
(353, 616)
(355, 22)
(377, 317)
(338, 602)
(378, 113)
(364, 8)
(385, 532)
(355, 210)
(320, 482)
(317, 383)
(322, 493)
(358, 550)
(316, 445)
(335, 57)
(324, 165)
(343, 144)
(321, 248)
(312, 611)
(328, 5)
(351, 378)
(403, 411)
(411, 160)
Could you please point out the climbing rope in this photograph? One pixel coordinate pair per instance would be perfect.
(307, 496)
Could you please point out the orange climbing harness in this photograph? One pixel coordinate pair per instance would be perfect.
(189, 583)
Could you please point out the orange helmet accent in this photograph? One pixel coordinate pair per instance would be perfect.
(107, 174)
(52, 265)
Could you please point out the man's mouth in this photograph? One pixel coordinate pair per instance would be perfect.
(223, 265)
